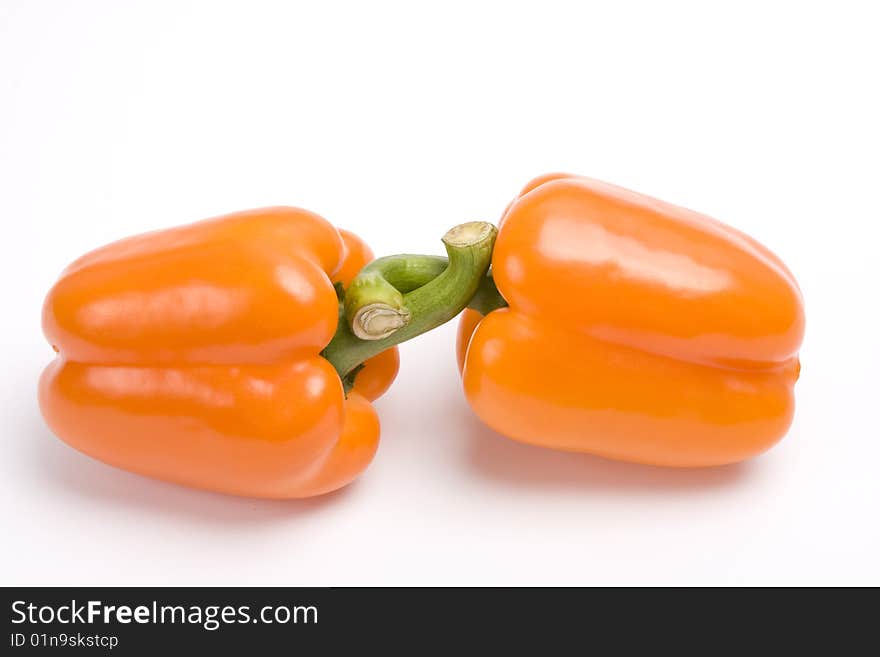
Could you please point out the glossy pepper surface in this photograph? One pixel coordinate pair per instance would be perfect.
(633, 329)
(193, 355)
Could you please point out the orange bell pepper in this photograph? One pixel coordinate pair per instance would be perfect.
(633, 329)
(211, 355)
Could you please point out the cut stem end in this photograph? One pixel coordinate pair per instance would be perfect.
(376, 321)
(471, 233)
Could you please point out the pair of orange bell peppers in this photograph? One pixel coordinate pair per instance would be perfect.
(240, 354)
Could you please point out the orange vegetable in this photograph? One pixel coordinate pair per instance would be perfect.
(201, 355)
(632, 329)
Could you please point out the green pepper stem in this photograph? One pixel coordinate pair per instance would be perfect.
(487, 297)
(408, 272)
(396, 298)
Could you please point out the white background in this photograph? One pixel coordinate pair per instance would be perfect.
(398, 121)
